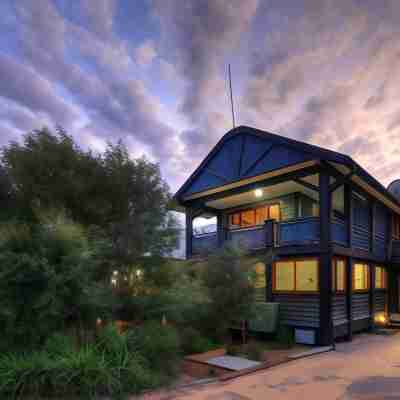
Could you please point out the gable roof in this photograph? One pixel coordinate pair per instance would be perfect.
(246, 152)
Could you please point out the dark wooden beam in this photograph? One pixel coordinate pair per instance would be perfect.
(221, 228)
(189, 233)
(349, 298)
(372, 295)
(224, 179)
(201, 201)
(341, 181)
(325, 267)
(306, 184)
(257, 160)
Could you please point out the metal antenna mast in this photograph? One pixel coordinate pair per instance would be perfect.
(230, 92)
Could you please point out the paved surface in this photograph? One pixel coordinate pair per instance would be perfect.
(366, 369)
(232, 363)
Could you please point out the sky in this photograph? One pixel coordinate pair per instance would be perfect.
(154, 74)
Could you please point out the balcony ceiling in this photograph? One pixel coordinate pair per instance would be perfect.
(269, 193)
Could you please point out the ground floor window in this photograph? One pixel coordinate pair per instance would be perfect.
(260, 282)
(380, 278)
(338, 274)
(360, 276)
(299, 275)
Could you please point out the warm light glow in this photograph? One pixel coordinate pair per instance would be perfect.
(380, 318)
(138, 273)
(113, 281)
(115, 272)
(258, 192)
(99, 321)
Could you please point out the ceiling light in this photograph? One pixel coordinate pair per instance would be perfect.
(258, 192)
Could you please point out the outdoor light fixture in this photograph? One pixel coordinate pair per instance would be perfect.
(380, 319)
(258, 192)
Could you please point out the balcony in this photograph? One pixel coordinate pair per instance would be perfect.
(394, 253)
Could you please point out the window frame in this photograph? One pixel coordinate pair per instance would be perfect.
(353, 273)
(295, 291)
(253, 209)
(335, 276)
(383, 277)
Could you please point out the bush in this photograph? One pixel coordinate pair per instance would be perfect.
(107, 367)
(193, 342)
(158, 344)
(285, 336)
(254, 351)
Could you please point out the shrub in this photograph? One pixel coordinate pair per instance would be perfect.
(254, 351)
(193, 342)
(158, 344)
(59, 345)
(285, 336)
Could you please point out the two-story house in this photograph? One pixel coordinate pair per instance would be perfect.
(332, 229)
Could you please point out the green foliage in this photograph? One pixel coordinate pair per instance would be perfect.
(46, 281)
(254, 350)
(158, 344)
(192, 341)
(226, 277)
(285, 336)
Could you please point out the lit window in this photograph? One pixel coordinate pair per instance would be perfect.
(248, 218)
(259, 281)
(380, 278)
(284, 276)
(360, 277)
(261, 215)
(254, 216)
(300, 276)
(338, 274)
(307, 276)
(275, 212)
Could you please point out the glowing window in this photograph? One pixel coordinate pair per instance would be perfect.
(360, 277)
(380, 278)
(297, 275)
(284, 276)
(338, 275)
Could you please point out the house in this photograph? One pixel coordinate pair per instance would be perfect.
(332, 229)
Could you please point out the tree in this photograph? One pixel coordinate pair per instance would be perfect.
(227, 277)
(124, 198)
(47, 281)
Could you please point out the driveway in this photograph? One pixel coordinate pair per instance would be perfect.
(367, 368)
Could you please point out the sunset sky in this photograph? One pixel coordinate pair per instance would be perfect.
(153, 73)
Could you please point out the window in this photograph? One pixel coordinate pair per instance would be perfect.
(360, 276)
(380, 278)
(259, 281)
(296, 275)
(396, 226)
(338, 274)
(254, 216)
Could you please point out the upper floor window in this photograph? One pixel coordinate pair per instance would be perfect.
(396, 226)
(254, 216)
(360, 276)
(338, 275)
(296, 275)
(380, 278)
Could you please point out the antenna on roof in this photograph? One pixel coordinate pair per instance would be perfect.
(231, 96)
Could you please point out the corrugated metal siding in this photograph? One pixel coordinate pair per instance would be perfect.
(380, 300)
(298, 310)
(361, 223)
(381, 225)
(396, 251)
(204, 244)
(360, 305)
(339, 310)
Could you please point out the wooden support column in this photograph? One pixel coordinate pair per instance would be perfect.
(325, 267)
(349, 298)
(348, 210)
(371, 294)
(221, 228)
(393, 291)
(372, 227)
(189, 233)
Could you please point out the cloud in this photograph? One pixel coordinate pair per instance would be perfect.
(145, 53)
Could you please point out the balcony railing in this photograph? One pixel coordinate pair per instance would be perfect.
(339, 233)
(203, 244)
(298, 232)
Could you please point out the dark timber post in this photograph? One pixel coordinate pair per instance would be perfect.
(371, 295)
(189, 233)
(325, 267)
(348, 212)
(349, 298)
(221, 226)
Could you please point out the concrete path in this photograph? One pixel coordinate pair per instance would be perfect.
(365, 369)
